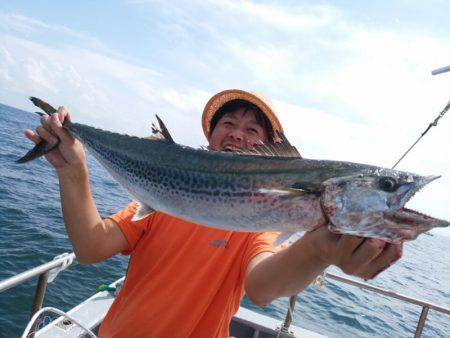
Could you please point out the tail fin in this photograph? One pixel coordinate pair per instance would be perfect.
(39, 150)
(43, 105)
(42, 147)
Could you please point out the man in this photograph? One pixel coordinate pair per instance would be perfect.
(186, 280)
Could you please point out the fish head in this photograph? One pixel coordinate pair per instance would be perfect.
(372, 204)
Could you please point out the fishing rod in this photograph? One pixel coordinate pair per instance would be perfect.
(440, 70)
(436, 120)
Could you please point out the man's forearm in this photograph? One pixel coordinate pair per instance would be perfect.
(82, 220)
(284, 273)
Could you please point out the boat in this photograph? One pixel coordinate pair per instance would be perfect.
(85, 319)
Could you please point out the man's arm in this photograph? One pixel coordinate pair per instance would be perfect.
(93, 239)
(286, 273)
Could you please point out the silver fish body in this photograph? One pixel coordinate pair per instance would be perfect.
(255, 193)
(270, 188)
(218, 189)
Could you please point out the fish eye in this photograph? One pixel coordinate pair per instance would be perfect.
(387, 184)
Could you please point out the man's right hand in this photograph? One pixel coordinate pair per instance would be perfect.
(69, 155)
(93, 239)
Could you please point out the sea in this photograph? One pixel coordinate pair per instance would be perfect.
(32, 232)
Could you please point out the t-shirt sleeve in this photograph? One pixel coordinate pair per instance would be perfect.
(132, 230)
(258, 243)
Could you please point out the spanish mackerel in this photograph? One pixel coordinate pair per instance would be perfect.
(268, 188)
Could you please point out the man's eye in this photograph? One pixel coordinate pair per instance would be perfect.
(253, 130)
(227, 123)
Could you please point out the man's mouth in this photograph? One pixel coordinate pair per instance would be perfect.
(231, 148)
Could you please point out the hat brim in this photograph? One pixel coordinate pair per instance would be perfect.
(218, 100)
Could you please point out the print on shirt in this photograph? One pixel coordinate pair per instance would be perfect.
(219, 244)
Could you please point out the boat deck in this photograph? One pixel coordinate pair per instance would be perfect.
(90, 313)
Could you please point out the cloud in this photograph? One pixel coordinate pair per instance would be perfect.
(285, 17)
(26, 24)
(298, 17)
(28, 27)
(388, 77)
(250, 44)
(99, 89)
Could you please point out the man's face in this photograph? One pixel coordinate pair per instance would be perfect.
(237, 130)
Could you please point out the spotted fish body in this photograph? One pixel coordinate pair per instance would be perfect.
(255, 192)
(218, 189)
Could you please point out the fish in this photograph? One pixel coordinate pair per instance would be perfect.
(267, 188)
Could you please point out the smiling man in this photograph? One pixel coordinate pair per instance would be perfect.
(238, 124)
(186, 280)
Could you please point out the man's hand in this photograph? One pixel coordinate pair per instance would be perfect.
(289, 271)
(93, 239)
(358, 256)
(70, 153)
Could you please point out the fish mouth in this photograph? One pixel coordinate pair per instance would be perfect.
(406, 191)
(414, 220)
(406, 218)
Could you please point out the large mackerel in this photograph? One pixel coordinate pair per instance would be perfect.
(270, 188)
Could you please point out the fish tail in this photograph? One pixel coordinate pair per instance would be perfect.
(42, 147)
(38, 150)
(43, 105)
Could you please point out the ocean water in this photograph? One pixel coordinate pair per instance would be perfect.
(32, 232)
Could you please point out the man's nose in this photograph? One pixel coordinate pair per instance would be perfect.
(237, 134)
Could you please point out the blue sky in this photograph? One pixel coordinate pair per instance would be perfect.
(350, 79)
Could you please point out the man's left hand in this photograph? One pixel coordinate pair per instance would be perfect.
(358, 256)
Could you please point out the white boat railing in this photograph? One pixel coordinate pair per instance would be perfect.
(45, 271)
(57, 263)
(425, 305)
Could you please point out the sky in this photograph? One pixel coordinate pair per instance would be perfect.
(350, 80)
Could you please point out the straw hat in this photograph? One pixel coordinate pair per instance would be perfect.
(218, 100)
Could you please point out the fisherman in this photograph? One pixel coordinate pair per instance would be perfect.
(186, 280)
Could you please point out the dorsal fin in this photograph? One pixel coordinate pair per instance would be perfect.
(283, 148)
(161, 133)
(278, 149)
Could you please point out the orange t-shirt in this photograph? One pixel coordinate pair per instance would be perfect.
(184, 280)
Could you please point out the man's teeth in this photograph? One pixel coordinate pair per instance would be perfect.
(231, 148)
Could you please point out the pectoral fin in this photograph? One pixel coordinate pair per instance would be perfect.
(283, 192)
(142, 211)
(286, 237)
